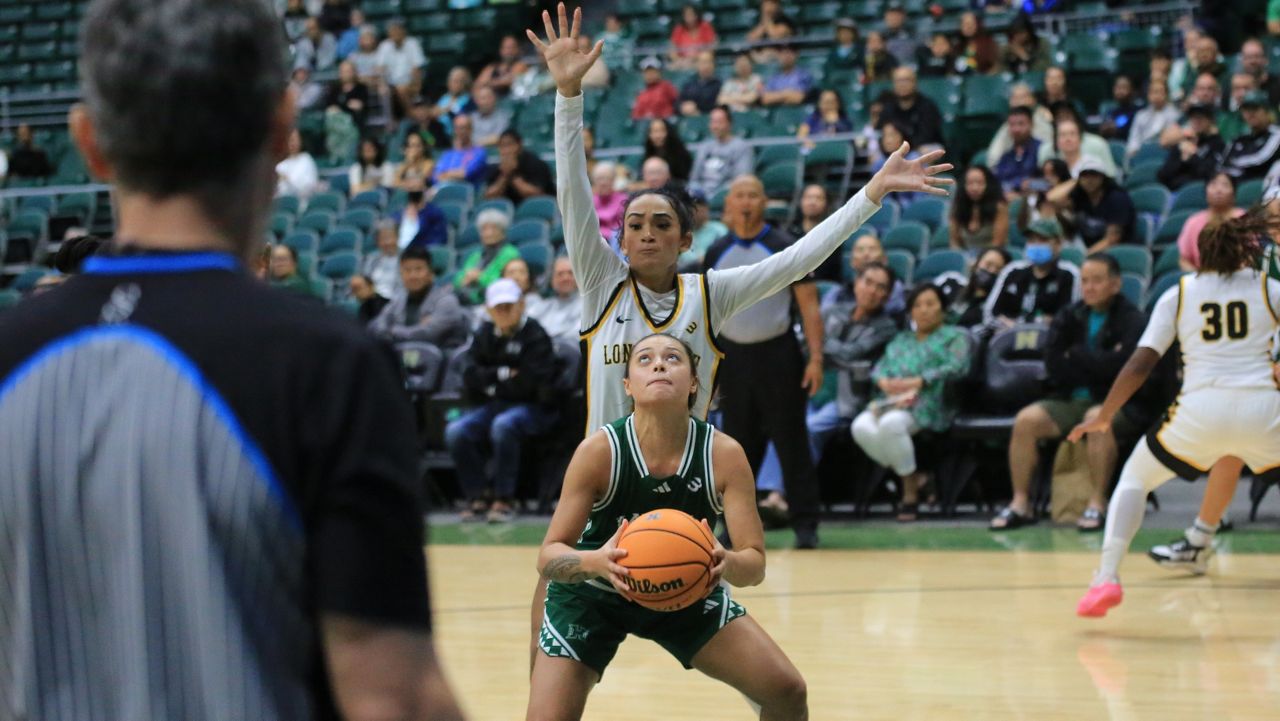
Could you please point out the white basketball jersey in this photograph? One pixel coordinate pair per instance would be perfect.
(607, 346)
(1226, 325)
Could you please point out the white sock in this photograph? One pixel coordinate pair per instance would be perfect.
(1124, 518)
(1200, 534)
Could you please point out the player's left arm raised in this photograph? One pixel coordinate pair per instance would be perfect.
(744, 565)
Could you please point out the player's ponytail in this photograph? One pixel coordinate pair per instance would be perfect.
(1235, 243)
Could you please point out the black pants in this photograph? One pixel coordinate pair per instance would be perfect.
(761, 400)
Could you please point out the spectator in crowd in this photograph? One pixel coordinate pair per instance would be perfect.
(1053, 172)
(912, 378)
(484, 265)
(657, 99)
(598, 75)
(1207, 61)
(349, 37)
(1207, 90)
(517, 269)
(28, 160)
(1099, 209)
(619, 46)
(316, 50)
(937, 59)
(898, 40)
(892, 138)
(335, 16)
(912, 112)
(1073, 145)
(369, 302)
(349, 95)
(773, 25)
(400, 63)
(295, 20)
(561, 314)
(966, 310)
(1254, 154)
(534, 80)
(1231, 123)
(867, 250)
(1035, 289)
(519, 174)
(488, 120)
(297, 174)
(464, 162)
(976, 50)
(4, 166)
(706, 230)
(827, 118)
(422, 310)
(420, 222)
(877, 62)
(608, 201)
(417, 167)
(979, 213)
(846, 55)
(1025, 52)
(1021, 96)
(1056, 92)
(765, 383)
(741, 91)
(502, 72)
(509, 374)
(854, 337)
(1182, 71)
(663, 141)
(1018, 165)
(1149, 122)
(455, 100)
(699, 93)
(284, 270)
(1196, 152)
(1159, 67)
(655, 173)
(1220, 196)
(309, 93)
(366, 57)
(370, 170)
(1117, 118)
(722, 157)
(815, 206)
(1253, 60)
(791, 84)
(692, 36)
(383, 267)
(1088, 343)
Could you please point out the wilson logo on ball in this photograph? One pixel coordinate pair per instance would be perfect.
(644, 585)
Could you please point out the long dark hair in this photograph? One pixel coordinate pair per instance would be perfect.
(1234, 244)
(673, 151)
(987, 206)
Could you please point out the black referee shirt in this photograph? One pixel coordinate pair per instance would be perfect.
(193, 468)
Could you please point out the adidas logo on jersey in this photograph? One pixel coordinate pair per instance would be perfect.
(664, 488)
(709, 605)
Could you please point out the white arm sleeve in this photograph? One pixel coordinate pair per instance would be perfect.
(595, 266)
(734, 289)
(1162, 329)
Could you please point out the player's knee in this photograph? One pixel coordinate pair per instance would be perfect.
(791, 695)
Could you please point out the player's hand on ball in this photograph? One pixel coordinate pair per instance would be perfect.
(717, 557)
(900, 175)
(564, 61)
(609, 555)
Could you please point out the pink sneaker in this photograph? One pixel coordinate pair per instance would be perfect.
(1099, 600)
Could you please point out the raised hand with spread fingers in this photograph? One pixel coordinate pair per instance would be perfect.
(565, 62)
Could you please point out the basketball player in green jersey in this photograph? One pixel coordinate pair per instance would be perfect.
(657, 457)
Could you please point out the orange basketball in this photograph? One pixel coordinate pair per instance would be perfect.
(669, 555)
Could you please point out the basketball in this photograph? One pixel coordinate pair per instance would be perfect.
(669, 555)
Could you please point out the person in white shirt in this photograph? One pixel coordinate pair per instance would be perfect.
(1150, 121)
(400, 61)
(365, 58)
(297, 174)
(561, 314)
(383, 267)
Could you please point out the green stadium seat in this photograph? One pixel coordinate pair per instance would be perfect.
(303, 241)
(929, 211)
(339, 267)
(40, 50)
(1168, 231)
(654, 29)
(1132, 259)
(1249, 193)
(56, 71)
(287, 204)
(10, 74)
(638, 8)
(318, 221)
(369, 199)
(902, 263)
(788, 118)
(715, 5)
(426, 25)
(281, 225)
(26, 281)
(693, 128)
(342, 240)
(1158, 288)
(362, 218)
(444, 260)
(908, 235)
(831, 152)
(941, 238)
(445, 43)
(1148, 153)
(1152, 199)
(380, 9)
(538, 256)
(454, 213)
(939, 262)
(819, 15)
(1168, 262)
(1072, 254)
(730, 21)
(1189, 197)
(866, 10)
(477, 19)
(16, 13)
(458, 193)
(1134, 288)
(1144, 174)
(80, 206)
(39, 31)
(415, 7)
(9, 298)
(541, 207)
(47, 10)
(884, 218)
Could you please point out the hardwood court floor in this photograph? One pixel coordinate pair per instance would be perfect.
(914, 635)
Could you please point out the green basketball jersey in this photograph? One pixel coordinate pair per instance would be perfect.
(633, 490)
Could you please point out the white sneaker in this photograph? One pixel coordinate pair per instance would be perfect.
(1182, 555)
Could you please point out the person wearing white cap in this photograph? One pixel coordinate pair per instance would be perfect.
(1101, 211)
(509, 375)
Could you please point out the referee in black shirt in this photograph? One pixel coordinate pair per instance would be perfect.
(208, 501)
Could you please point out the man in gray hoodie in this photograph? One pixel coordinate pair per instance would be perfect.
(722, 157)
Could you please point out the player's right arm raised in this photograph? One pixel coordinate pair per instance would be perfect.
(584, 483)
(594, 264)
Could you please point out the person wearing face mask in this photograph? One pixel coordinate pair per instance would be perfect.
(1034, 289)
(421, 223)
(970, 295)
